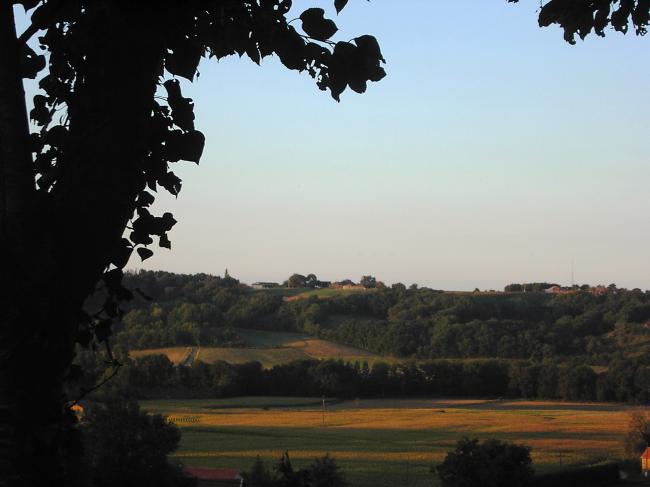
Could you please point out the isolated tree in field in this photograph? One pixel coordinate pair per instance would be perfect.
(128, 447)
(637, 437)
(311, 281)
(324, 472)
(491, 463)
(368, 282)
(297, 280)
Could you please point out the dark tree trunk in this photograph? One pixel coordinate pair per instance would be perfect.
(55, 246)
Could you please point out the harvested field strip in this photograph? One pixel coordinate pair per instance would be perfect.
(175, 354)
(317, 348)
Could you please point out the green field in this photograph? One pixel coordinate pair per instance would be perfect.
(385, 442)
(268, 357)
(268, 339)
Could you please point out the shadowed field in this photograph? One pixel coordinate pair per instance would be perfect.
(381, 442)
(268, 357)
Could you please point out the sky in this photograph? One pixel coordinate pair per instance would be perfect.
(493, 152)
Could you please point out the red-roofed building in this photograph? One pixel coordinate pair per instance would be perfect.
(216, 477)
(645, 462)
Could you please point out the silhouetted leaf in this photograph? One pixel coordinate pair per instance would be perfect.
(316, 25)
(122, 253)
(290, 48)
(140, 237)
(187, 146)
(184, 59)
(182, 108)
(253, 53)
(340, 5)
(30, 62)
(369, 47)
(103, 330)
(145, 199)
(40, 113)
(167, 222)
(113, 279)
(170, 182)
(164, 242)
(339, 74)
(317, 53)
(56, 136)
(144, 253)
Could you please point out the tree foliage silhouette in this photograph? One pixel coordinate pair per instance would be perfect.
(581, 17)
(104, 145)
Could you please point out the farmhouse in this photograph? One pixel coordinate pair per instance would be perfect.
(555, 289)
(645, 463)
(598, 290)
(264, 285)
(216, 477)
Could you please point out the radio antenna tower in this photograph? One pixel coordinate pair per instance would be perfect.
(572, 283)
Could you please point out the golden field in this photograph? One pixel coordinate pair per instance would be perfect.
(175, 354)
(378, 442)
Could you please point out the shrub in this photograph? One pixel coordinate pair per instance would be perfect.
(491, 463)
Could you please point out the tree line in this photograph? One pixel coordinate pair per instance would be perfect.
(154, 376)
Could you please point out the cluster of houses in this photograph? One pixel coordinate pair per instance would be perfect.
(555, 289)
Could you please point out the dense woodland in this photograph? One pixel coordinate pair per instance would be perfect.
(410, 323)
(574, 347)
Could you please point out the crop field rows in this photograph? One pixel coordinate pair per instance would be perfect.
(384, 442)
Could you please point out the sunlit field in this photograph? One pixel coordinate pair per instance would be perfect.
(386, 442)
(175, 354)
(268, 348)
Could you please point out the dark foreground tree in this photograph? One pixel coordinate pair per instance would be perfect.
(491, 463)
(104, 143)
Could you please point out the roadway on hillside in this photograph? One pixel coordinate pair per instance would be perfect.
(191, 357)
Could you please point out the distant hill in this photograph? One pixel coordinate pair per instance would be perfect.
(218, 314)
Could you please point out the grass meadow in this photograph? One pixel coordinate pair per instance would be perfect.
(388, 442)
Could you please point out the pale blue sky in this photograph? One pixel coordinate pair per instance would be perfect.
(493, 152)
